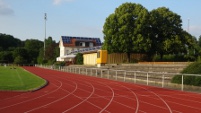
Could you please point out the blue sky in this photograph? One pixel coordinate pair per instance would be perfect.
(24, 19)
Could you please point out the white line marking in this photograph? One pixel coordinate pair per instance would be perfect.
(158, 97)
(53, 101)
(31, 99)
(137, 107)
(82, 101)
(109, 101)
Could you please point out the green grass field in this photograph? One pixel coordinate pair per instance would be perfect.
(18, 79)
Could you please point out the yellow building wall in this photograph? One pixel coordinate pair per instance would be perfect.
(114, 58)
(102, 54)
(90, 59)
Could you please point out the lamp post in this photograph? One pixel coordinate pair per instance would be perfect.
(45, 18)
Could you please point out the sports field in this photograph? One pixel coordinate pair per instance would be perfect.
(17, 79)
(73, 93)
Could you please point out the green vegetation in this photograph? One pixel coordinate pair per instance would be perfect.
(194, 68)
(133, 29)
(16, 78)
(79, 59)
(30, 51)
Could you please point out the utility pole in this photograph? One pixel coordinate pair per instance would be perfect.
(45, 18)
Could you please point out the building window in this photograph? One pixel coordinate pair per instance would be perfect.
(82, 44)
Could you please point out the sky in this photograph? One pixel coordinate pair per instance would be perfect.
(24, 19)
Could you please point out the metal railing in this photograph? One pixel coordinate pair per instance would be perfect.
(159, 79)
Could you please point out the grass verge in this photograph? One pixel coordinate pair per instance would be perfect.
(18, 79)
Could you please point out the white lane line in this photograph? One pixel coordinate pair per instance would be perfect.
(15, 96)
(113, 101)
(187, 99)
(82, 101)
(32, 98)
(54, 101)
(109, 101)
(184, 105)
(115, 96)
(142, 101)
(84, 91)
(101, 84)
(158, 97)
(20, 78)
(192, 107)
(137, 100)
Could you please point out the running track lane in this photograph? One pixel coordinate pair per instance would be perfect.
(67, 92)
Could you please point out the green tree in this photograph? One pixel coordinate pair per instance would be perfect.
(40, 58)
(6, 57)
(165, 27)
(79, 58)
(51, 50)
(20, 55)
(7, 41)
(199, 41)
(20, 60)
(126, 30)
(33, 47)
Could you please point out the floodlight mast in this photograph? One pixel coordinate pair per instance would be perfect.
(45, 18)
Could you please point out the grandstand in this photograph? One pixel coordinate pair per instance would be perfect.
(70, 46)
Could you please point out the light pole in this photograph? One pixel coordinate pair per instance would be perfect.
(45, 18)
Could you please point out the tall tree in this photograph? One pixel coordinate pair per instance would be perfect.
(125, 30)
(199, 41)
(8, 41)
(51, 50)
(20, 55)
(165, 27)
(33, 47)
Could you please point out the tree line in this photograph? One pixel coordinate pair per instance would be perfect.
(134, 29)
(30, 51)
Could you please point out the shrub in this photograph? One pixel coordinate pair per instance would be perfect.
(79, 58)
(194, 68)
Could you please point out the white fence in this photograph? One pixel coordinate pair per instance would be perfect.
(159, 79)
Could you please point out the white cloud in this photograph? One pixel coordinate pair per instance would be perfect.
(57, 2)
(5, 9)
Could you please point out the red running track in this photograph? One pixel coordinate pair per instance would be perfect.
(67, 92)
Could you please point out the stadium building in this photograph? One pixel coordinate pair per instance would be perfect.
(70, 46)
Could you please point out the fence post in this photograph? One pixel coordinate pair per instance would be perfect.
(147, 78)
(101, 73)
(108, 73)
(124, 75)
(91, 72)
(182, 82)
(163, 77)
(116, 74)
(134, 77)
(86, 71)
(96, 72)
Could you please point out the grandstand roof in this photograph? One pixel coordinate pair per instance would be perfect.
(68, 39)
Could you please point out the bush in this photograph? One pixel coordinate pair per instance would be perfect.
(79, 58)
(194, 68)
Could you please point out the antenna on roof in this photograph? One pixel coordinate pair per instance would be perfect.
(45, 18)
